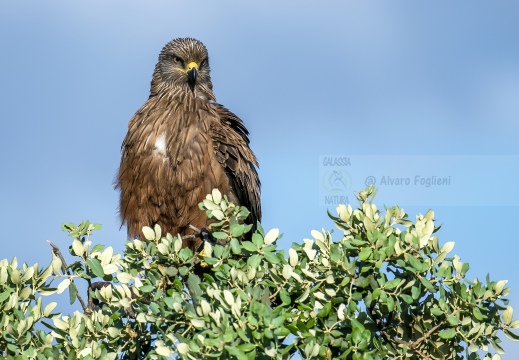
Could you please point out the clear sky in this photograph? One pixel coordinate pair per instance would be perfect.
(427, 82)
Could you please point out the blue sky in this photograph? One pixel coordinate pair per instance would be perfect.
(310, 79)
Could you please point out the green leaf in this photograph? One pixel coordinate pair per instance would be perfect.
(500, 285)
(158, 231)
(217, 196)
(247, 245)
(427, 284)
(325, 310)
(217, 214)
(155, 309)
(48, 309)
(352, 306)
(390, 303)
(235, 246)
(237, 230)
(408, 299)
(148, 232)
(162, 350)
(356, 335)
(72, 292)
(496, 346)
(447, 334)
(293, 257)
(229, 298)
(109, 269)
(391, 284)
(63, 285)
(271, 258)
(98, 247)
(271, 236)
(16, 276)
(124, 277)
(5, 295)
(246, 347)
(362, 282)
(464, 268)
(234, 351)
(447, 247)
(477, 314)
(198, 323)
(285, 297)
(254, 261)
(220, 235)
(304, 296)
(209, 205)
(416, 291)
(364, 254)
(281, 331)
(415, 263)
(193, 283)
(512, 336)
(163, 249)
(78, 247)
(436, 311)
(217, 250)
(257, 240)
(183, 348)
(147, 288)
(507, 315)
(452, 320)
(95, 266)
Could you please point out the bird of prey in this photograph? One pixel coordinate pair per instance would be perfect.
(180, 145)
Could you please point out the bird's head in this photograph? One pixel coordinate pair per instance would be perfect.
(184, 64)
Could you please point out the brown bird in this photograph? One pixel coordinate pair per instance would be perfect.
(180, 145)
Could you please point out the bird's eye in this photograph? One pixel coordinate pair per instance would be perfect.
(203, 63)
(176, 60)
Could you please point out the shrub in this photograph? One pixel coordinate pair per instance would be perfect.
(386, 288)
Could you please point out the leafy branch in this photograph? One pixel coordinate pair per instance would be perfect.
(384, 288)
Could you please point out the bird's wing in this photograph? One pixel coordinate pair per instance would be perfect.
(231, 146)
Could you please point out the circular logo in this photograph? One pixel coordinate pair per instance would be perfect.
(336, 181)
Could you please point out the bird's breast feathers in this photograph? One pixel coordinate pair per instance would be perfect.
(174, 130)
(160, 144)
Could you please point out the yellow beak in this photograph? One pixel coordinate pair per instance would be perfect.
(192, 72)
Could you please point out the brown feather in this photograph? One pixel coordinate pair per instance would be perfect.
(179, 146)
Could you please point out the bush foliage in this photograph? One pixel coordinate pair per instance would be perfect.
(386, 289)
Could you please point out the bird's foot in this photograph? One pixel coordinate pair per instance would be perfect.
(205, 235)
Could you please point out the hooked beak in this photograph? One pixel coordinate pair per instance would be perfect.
(192, 72)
